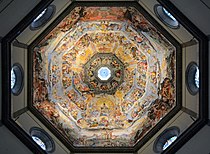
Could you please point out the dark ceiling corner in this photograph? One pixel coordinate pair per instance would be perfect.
(1, 123)
(208, 37)
(206, 3)
(203, 67)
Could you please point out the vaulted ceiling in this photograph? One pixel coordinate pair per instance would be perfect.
(105, 76)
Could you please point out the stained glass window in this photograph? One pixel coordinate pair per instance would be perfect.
(169, 142)
(39, 142)
(13, 78)
(40, 15)
(197, 77)
(168, 14)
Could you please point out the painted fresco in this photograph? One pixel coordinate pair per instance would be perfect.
(144, 94)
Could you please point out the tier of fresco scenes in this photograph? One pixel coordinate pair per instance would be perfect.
(143, 97)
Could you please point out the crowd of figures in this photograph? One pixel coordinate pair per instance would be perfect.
(123, 117)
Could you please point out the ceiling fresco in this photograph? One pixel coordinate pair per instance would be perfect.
(104, 76)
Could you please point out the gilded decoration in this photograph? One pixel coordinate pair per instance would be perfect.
(139, 65)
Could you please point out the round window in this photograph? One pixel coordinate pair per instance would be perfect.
(169, 142)
(43, 18)
(43, 139)
(13, 78)
(166, 17)
(17, 79)
(165, 139)
(197, 77)
(192, 78)
(39, 142)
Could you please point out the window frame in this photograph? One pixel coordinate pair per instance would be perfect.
(165, 18)
(190, 78)
(161, 140)
(44, 18)
(19, 79)
(44, 137)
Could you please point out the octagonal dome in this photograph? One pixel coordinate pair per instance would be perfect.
(136, 91)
